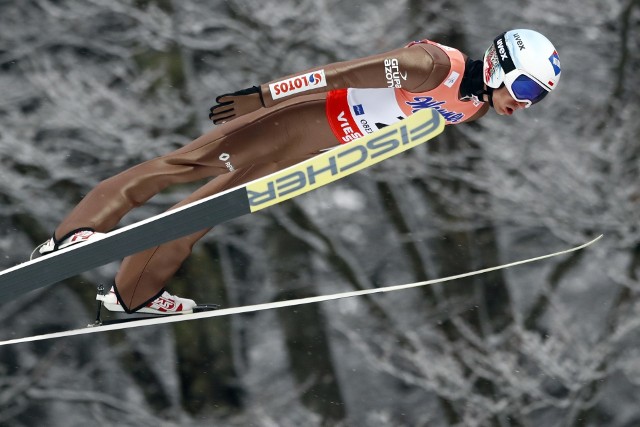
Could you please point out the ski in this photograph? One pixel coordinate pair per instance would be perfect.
(279, 304)
(301, 178)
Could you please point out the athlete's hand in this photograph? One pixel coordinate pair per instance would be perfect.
(232, 105)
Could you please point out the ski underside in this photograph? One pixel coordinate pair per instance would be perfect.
(272, 189)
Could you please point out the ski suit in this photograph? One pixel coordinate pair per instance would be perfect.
(300, 116)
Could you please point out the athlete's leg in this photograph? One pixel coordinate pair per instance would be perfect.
(142, 276)
(264, 145)
(285, 131)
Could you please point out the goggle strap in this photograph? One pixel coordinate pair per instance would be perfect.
(504, 58)
(489, 92)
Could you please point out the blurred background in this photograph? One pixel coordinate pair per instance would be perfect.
(89, 88)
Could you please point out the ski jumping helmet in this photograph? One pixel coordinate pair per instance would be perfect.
(524, 61)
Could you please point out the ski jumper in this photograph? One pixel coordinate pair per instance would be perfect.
(302, 115)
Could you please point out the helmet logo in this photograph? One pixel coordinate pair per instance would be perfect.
(490, 64)
(502, 50)
(519, 41)
(555, 62)
(504, 56)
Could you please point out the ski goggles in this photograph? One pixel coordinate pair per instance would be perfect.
(522, 86)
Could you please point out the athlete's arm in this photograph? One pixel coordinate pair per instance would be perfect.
(418, 68)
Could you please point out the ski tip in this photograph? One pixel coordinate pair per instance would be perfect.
(592, 241)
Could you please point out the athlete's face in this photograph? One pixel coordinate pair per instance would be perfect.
(503, 102)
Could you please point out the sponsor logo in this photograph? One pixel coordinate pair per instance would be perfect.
(502, 50)
(365, 125)
(341, 161)
(421, 102)
(224, 157)
(392, 73)
(82, 236)
(358, 109)
(298, 84)
(347, 128)
(451, 80)
(519, 41)
(164, 304)
(555, 62)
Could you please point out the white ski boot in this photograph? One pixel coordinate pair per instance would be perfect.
(75, 237)
(164, 304)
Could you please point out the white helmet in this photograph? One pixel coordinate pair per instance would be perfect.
(524, 61)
